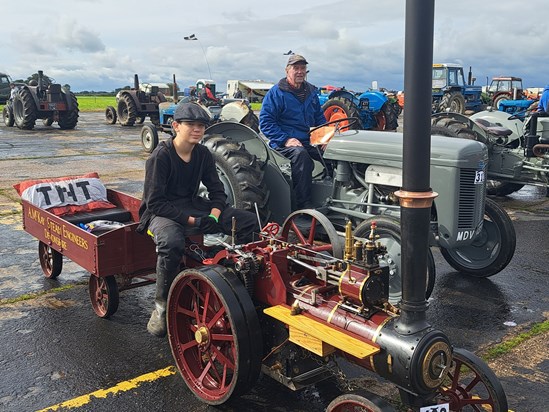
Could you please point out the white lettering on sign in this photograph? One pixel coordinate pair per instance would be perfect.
(78, 191)
(465, 235)
(445, 407)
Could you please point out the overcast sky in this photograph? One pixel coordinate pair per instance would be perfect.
(100, 44)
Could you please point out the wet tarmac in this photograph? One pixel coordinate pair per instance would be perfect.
(55, 349)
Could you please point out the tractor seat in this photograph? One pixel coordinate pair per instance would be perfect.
(493, 128)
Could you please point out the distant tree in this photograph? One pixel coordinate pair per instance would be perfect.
(47, 80)
(67, 86)
(170, 87)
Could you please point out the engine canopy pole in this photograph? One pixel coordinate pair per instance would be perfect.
(416, 195)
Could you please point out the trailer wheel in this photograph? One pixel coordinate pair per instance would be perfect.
(51, 260)
(110, 115)
(492, 249)
(69, 118)
(127, 110)
(24, 109)
(240, 174)
(103, 295)
(388, 230)
(149, 138)
(214, 333)
(314, 231)
(359, 400)
(339, 106)
(453, 101)
(7, 114)
(471, 385)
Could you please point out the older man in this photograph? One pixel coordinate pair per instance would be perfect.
(290, 108)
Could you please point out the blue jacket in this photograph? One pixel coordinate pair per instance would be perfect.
(543, 105)
(284, 116)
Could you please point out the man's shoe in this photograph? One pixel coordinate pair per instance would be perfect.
(157, 324)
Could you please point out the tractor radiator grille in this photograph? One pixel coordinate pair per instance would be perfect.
(471, 198)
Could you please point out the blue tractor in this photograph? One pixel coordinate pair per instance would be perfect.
(373, 109)
(451, 92)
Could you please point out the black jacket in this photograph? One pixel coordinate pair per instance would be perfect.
(169, 191)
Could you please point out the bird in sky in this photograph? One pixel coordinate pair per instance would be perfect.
(191, 37)
(289, 52)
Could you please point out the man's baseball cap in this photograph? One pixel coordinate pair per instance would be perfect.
(295, 59)
(191, 112)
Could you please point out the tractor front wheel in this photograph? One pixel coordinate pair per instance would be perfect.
(7, 114)
(386, 118)
(110, 115)
(149, 138)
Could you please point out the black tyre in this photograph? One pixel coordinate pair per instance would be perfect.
(69, 118)
(359, 400)
(127, 110)
(24, 109)
(110, 115)
(492, 249)
(240, 174)
(453, 101)
(386, 118)
(497, 99)
(214, 333)
(339, 106)
(388, 230)
(7, 114)
(149, 138)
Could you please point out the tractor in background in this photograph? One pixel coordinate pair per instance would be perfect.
(451, 91)
(135, 104)
(39, 99)
(504, 88)
(373, 109)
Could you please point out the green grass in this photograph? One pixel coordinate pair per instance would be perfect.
(95, 103)
(34, 295)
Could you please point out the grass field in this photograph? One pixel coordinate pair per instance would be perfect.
(100, 103)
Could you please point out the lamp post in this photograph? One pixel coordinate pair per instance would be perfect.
(192, 37)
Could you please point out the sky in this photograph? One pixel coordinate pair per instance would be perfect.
(98, 45)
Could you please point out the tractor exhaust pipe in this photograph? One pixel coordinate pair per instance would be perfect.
(40, 81)
(416, 196)
(175, 99)
(135, 82)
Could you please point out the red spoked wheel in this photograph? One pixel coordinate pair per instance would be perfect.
(471, 385)
(104, 295)
(271, 229)
(214, 333)
(312, 230)
(51, 260)
(362, 401)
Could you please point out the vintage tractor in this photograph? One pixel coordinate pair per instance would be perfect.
(49, 102)
(5, 91)
(135, 104)
(295, 303)
(362, 172)
(504, 88)
(373, 109)
(518, 150)
(452, 92)
(238, 111)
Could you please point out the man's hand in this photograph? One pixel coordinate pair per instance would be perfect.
(292, 142)
(207, 225)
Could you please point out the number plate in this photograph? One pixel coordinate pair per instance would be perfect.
(445, 407)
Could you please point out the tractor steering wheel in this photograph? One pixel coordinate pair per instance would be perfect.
(350, 122)
(322, 138)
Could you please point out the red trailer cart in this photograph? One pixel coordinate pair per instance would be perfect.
(117, 259)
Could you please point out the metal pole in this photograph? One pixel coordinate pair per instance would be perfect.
(416, 196)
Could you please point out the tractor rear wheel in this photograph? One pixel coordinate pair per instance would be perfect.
(453, 101)
(240, 174)
(386, 118)
(110, 115)
(24, 110)
(69, 118)
(497, 99)
(127, 110)
(7, 114)
(341, 107)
